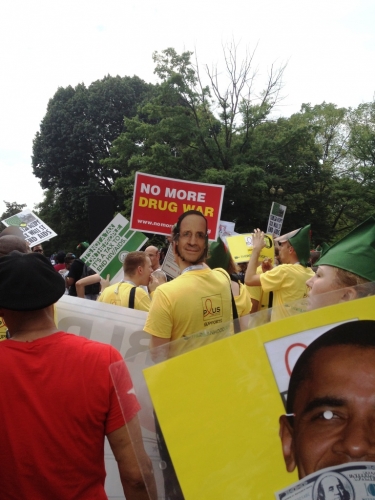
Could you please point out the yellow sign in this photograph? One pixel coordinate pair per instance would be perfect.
(241, 247)
(219, 405)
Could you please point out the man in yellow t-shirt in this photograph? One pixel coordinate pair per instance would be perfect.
(200, 298)
(288, 280)
(259, 300)
(137, 271)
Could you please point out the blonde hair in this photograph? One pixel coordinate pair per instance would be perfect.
(345, 279)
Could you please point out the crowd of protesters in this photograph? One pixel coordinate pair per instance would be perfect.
(60, 401)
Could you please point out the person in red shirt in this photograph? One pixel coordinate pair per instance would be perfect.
(58, 401)
(60, 261)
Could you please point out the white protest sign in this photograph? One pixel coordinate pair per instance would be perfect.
(169, 264)
(226, 228)
(276, 219)
(35, 231)
(123, 329)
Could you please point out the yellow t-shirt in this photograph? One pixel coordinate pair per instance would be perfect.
(243, 301)
(118, 295)
(197, 301)
(258, 294)
(288, 284)
(3, 329)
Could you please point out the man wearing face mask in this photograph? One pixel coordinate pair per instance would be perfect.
(331, 400)
(200, 298)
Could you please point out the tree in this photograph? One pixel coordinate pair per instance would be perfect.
(75, 135)
(196, 132)
(362, 139)
(357, 180)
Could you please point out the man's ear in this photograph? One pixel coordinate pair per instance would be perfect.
(286, 436)
(174, 247)
(348, 294)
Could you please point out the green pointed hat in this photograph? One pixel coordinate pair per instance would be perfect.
(322, 248)
(218, 255)
(355, 252)
(300, 241)
(83, 244)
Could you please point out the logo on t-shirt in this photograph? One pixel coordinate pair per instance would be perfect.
(212, 309)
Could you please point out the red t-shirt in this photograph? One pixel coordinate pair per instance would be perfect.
(57, 402)
(59, 267)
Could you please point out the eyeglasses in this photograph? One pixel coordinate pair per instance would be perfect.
(151, 254)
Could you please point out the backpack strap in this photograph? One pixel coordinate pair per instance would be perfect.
(270, 300)
(132, 297)
(237, 327)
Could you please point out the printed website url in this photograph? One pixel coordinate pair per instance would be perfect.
(154, 223)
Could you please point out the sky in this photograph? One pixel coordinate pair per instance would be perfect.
(328, 46)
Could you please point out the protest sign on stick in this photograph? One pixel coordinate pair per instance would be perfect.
(107, 252)
(241, 247)
(159, 201)
(226, 413)
(276, 218)
(35, 231)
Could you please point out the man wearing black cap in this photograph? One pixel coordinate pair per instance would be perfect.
(57, 401)
(287, 281)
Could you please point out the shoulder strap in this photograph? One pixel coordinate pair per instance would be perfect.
(132, 297)
(234, 307)
(270, 300)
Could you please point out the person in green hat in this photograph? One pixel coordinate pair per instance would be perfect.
(346, 269)
(287, 281)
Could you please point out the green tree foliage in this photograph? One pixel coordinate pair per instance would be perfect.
(213, 126)
(346, 138)
(75, 135)
(362, 140)
(226, 136)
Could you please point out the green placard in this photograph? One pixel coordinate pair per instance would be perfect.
(106, 254)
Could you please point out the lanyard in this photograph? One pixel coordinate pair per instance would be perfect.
(123, 281)
(193, 268)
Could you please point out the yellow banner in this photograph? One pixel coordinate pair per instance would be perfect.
(219, 405)
(241, 247)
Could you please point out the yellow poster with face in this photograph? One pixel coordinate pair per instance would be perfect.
(219, 405)
(241, 247)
